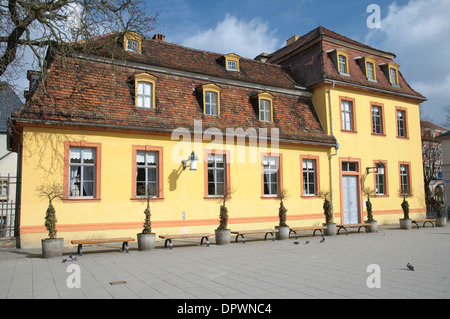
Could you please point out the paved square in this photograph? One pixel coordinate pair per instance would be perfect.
(338, 268)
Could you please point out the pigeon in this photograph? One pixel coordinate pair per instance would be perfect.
(64, 260)
(410, 266)
(74, 258)
(296, 242)
(322, 240)
(307, 242)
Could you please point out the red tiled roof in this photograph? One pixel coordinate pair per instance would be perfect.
(90, 93)
(314, 64)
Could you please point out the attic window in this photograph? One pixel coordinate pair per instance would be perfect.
(265, 106)
(368, 65)
(232, 62)
(340, 60)
(132, 42)
(145, 90)
(211, 99)
(391, 71)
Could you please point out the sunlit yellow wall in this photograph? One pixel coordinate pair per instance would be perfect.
(116, 214)
(368, 148)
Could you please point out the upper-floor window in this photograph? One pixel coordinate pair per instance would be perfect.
(145, 90)
(232, 66)
(377, 120)
(402, 130)
(263, 103)
(265, 110)
(347, 112)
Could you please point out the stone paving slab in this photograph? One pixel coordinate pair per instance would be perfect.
(258, 269)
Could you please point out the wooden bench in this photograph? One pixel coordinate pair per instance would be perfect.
(345, 226)
(169, 238)
(253, 231)
(315, 228)
(81, 242)
(424, 221)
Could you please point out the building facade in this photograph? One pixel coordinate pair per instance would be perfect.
(110, 131)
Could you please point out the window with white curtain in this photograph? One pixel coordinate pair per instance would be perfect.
(309, 177)
(271, 175)
(82, 172)
(347, 116)
(147, 173)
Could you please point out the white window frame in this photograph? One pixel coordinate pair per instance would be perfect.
(216, 169)
(265, 107)
(370, 71)
(133, 45)
(404, 179)
(145, 95)
(342, 61)
(377, 125)
(151, 181)
(78, 183)
(309, 177)
(211, 106)
(347, 115)
(380, 180)
(271, 165)
(401, 123)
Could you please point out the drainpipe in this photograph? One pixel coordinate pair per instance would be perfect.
(336, 148)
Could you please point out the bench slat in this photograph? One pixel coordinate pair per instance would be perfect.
(252, 231)
(177, 236)
(101, 240)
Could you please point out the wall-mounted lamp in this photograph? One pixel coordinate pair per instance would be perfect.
(193, 162)
(375, 169)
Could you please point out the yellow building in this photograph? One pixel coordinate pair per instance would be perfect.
(108, 130)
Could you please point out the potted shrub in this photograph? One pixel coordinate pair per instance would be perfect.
(406, 222)
(51, 246)
(328, 212)
(441, 220)
(222, 233)
(373, 223)
(282, 230)
(146, 239)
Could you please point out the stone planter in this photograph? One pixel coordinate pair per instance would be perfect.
(405, 223)
(281, 232)
(373, 228)
(146, 241)
(331, 229)
(52, 247)
(222, 237)
(441, 222)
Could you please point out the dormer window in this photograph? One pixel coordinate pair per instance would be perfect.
(367, 65)
(232, 62)
(132, 42)
(145, 90)
(211, 99)
(340, 60)
(265, 106)
(391, 71)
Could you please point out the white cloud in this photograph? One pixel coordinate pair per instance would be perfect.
(418, 34)
(232, 35)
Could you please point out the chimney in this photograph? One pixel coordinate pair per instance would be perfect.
(263, 57)
(159, 37)
(292, 39)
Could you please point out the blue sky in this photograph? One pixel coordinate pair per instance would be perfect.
(415, 30)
